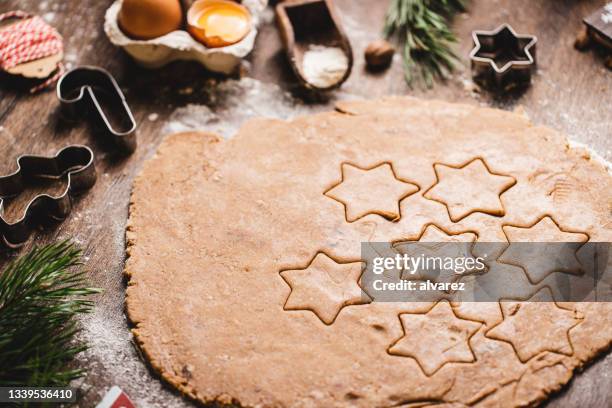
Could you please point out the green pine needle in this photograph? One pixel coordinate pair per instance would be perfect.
(422, 26)
(40, 296)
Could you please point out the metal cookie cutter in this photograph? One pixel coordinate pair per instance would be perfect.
(76, 161)
(501, 58)
(85, 90)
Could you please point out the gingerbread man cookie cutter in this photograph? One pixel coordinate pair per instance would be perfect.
(75, 161)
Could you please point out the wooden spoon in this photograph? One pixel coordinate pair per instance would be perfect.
(303, 23)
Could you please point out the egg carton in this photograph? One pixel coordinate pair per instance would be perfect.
(180, 45)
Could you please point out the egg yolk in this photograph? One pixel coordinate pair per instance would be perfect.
(227, 23)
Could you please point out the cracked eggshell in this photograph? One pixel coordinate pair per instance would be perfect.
(180, 45)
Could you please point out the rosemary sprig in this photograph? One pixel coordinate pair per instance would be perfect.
(40, 296)
(422, 26)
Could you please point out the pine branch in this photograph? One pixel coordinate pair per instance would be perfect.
(40, 296)
(422, 26)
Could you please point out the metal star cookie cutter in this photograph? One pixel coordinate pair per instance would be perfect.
(75, 161)
(502, 58)
(83, 90)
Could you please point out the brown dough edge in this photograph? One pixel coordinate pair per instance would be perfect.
(203, 142)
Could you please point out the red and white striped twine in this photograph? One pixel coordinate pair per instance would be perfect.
(29, 40)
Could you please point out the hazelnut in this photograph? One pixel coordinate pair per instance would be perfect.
(379, 54)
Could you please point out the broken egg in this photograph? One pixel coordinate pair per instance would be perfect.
(179, 45)
(218, 23)
(147, 19)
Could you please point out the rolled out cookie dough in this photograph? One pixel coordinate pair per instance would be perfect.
(243, 273)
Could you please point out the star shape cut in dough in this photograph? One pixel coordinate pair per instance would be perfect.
(434, 243)
(325, 287)
(551, 333)
(375, 190)
(468, 189)
(435, 338)
(542, 248)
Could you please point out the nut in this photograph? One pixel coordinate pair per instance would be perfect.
(379, 54)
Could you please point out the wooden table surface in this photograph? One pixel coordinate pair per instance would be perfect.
(571, 92)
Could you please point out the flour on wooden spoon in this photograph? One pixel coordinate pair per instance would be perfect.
(323, 66)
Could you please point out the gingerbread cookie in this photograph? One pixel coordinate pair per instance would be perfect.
(244, 258)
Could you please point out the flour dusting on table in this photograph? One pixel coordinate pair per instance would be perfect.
(234, 103)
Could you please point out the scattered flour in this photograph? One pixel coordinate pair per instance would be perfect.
(6, 136)
(267, 16)
(592, 153)
(49, 17)
(606, 17)
(324, 66)
(235, 102)
(114, 359)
